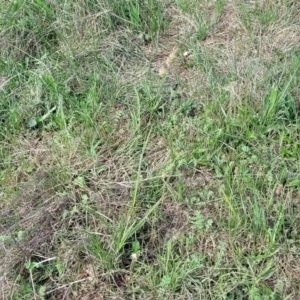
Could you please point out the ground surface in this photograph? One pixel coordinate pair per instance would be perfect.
(149, 149)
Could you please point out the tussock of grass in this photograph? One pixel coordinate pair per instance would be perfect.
(149, 149)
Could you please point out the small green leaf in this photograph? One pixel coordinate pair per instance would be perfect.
(295, 182)
(166, 281)
(32, 123)
(136, 246)
(41, 291)
(254, 294)
(80, 181)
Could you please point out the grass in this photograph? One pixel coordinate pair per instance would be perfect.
(149, 149)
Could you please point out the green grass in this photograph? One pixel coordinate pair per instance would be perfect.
(120, 181)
